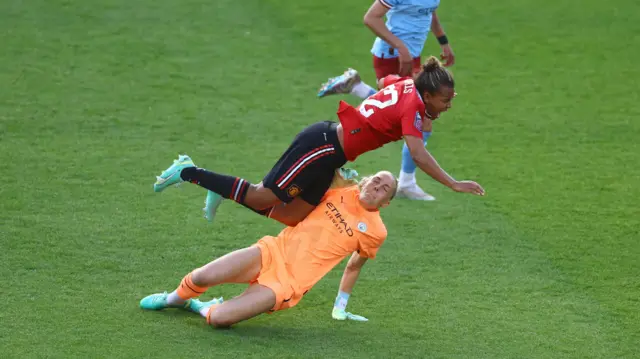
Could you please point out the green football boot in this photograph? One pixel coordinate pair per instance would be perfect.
(171, 176)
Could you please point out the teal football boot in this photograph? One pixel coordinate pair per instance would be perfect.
(211, 204)
(342, 84)
(171, 176)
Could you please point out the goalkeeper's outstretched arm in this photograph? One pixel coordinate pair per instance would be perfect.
(348, 281)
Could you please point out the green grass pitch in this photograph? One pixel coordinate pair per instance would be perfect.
(97, 97)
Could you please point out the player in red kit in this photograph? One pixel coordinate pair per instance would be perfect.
(302, 175)
(392, 113)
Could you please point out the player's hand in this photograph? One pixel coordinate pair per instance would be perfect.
(447, 55)
(406, 62)
(468, 187)
(340, 314)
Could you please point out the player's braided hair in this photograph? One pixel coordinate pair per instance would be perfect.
(433, 76)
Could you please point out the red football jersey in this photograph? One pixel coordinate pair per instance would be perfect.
(395, 111)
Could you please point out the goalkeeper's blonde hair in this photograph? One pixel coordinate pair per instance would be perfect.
(341, 182)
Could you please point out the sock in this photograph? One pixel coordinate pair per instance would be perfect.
(234, 188)
(187, 289)
(341, 300)
(230, 187)
(205, 311)
(362, 90)
(174, 299)
(406, 179)
(408, 169)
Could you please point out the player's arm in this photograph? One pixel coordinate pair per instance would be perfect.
(437, 29)
(348, 281)
(374, 20)
(352, 272)
(425, 161)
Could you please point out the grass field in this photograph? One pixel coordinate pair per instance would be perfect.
(97, 97)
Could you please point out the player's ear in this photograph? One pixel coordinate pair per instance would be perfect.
(427, 95)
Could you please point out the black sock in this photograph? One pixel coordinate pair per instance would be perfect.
(234, 188)
(226, 186)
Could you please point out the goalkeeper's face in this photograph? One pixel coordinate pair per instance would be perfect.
(377, 191)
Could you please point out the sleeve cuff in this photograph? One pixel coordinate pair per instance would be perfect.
(385, 4)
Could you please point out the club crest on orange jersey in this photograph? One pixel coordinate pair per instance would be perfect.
(293, 190)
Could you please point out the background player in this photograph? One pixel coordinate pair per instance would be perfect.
(404, 109)
(280, 270)
(396, 50)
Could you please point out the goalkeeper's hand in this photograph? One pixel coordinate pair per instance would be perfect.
(340, 314)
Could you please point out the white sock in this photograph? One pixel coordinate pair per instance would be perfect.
(362, 90)
(204, 311)
(174, 299)
(341, 300)
(406, 179)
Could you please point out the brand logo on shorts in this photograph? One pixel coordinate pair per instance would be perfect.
(362, 227)
(293, 190)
